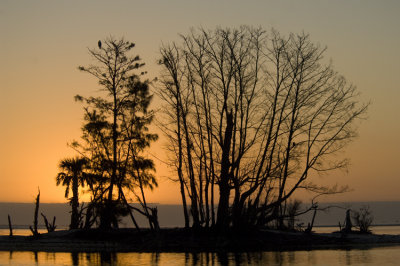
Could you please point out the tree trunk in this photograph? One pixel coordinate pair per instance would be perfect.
(88, 216)
(224, 189)
(180, 158)
(192, 182)
(107, 218)
(184, 204)
(74, 204)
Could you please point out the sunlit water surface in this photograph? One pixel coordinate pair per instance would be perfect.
(374, 256)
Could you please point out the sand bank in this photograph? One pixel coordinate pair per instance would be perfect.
(184, 240)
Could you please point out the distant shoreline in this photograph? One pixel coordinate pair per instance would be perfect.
(372, 225)
(65, 227)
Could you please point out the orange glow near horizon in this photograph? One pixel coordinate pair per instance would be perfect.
(43, 42)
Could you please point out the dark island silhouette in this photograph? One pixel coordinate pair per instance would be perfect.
(248, 116)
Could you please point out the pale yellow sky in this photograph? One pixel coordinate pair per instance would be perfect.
(43, 42)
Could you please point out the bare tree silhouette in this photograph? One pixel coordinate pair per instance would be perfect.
(253, 114)
(363, 219)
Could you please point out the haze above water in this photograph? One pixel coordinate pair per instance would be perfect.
(385, 213)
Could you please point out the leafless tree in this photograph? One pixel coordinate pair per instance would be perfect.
(363, 219)
(253, 113)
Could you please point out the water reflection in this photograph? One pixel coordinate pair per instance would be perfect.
(383, 256)
(361, 257)
(36, 257)
(155, 258)
(75, 258)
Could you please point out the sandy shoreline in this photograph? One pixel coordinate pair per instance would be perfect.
(181, 240)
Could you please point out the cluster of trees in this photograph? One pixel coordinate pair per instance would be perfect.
(248, 115)
(111, 163)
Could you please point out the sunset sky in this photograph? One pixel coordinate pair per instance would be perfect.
(43, 42)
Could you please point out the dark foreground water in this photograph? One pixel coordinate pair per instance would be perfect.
(374, 256)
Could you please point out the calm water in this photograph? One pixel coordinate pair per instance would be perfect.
(373, 256)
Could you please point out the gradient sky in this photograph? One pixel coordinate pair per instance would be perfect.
(43, 42)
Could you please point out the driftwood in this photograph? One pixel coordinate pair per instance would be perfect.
(310, 226)
(35, 218)
(10, 225)
(347, 223)
(51, 227)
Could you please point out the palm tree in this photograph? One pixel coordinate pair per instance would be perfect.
(72, 175)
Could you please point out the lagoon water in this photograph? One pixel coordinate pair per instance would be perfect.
(389, 255)
(170, 216)
(374, 256)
